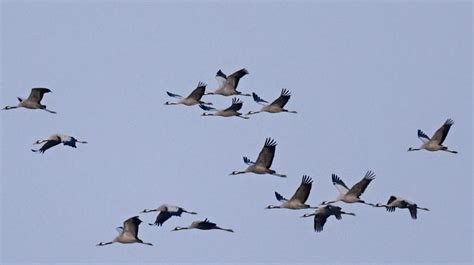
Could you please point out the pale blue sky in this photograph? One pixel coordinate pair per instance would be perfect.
(364, 77)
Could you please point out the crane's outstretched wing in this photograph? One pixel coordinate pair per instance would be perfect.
(335, 210)
(233, 79)
(360, 187)
(265, 157)
(131, 225)
(162, 217)
(173, 95)
(47, 145)
(248, 161)
(440, 135)
(198, 92)
(302, 193)
(283, 98)
(339, 184)
(413, 210)
(423, 137)
(236, 105)
(206, 224)
(206, 108)
(258, 99)
(221, 79)
(36, 94)
(319, 221)
(280, 198)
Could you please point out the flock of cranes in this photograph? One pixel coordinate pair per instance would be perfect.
(228, 87)
(128, 233)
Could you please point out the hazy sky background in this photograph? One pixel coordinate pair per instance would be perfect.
(364, 77)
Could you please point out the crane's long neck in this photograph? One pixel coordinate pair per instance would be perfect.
(413, 149)
(105, 243)
(289, 111)
(253, 112)
(178, 228)
(328, 202)
(10, 107)
(238, 172)
(225, 229)
(149, 210)
(421, 208)
(273, 207)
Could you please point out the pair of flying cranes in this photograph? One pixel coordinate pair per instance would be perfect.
(128, 233)
(34, 102)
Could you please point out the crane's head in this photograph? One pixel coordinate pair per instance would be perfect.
(272, 207)
(413, 149)
(147, 210)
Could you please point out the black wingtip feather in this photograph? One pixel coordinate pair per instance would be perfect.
(247, 160)
(245, 71)
(279, 197)
(285, 92)
(204, 107)
(270, 142)
(221, 74)
(422, 134)
(236, 101)
(306, 180)
(370, 175)
(258, 99)
(335, 179)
